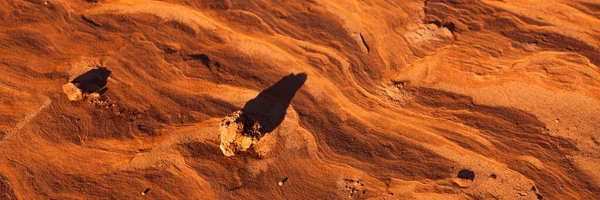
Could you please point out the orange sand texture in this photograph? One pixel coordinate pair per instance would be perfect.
(403, 99)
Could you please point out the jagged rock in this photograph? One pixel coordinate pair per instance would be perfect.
(72, 92)
(238, 132)
(94, 96)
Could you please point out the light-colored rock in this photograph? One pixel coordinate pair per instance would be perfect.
(238, 132)
(72, 92)
(94, 96)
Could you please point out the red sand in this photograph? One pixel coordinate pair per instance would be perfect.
(442, 99)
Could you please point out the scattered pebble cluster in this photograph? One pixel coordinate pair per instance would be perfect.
(354, 188)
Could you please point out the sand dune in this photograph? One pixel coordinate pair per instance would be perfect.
(434, 99)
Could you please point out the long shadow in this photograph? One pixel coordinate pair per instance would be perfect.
(269, 107)
(93, 80)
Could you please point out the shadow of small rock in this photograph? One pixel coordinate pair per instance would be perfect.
(270, 106)
(93, 81)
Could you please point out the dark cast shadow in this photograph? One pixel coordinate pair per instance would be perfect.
(93, 80)
(269, 107)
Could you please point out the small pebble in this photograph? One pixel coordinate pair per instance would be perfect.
(283, 181)
(146, 191)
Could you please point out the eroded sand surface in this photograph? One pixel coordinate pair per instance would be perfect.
(435, 99)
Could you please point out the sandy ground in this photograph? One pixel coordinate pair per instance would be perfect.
(436, 99)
